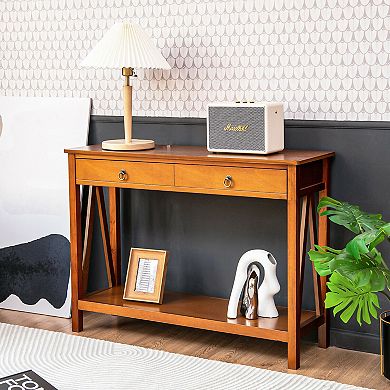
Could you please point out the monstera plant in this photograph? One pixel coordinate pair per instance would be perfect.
(358, 272)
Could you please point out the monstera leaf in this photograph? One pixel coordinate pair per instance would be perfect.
(359, 261)
(348, 299)
(323, 257)
(350, 216)
(358, 272)
(369, 268)
(367, 241)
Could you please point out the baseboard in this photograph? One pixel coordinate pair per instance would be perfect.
(348, 339)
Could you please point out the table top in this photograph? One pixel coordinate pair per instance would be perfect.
(200, 153)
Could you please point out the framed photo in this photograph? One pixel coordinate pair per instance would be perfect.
(146, 274)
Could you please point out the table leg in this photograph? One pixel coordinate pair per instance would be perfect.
(75, 245)
(87, 246)
(114, 204)
(293, 267)
(323, 239)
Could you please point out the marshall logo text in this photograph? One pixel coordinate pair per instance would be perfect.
(230, 127)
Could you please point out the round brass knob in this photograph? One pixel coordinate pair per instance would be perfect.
(228, 181)
(122, 175)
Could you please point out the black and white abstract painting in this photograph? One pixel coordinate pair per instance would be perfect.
(34, 205)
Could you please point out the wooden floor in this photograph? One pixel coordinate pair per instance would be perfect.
(350, 367)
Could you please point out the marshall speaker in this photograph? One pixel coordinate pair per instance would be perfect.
(245, 127)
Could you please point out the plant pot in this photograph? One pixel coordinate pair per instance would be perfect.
(385, 343)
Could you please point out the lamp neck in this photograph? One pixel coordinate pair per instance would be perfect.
(127, 73)
(127, 101)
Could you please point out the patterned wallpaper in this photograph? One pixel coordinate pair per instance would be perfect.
(325, 59)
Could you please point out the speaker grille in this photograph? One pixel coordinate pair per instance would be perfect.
(251, 139)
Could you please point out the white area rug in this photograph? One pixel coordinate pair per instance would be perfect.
(79, 363)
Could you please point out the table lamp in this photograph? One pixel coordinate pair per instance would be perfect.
(126, 46)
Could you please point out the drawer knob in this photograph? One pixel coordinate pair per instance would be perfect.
(122, 175)
(228, 181)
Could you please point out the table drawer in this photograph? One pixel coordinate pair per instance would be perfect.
(125, 172)
(237, 179)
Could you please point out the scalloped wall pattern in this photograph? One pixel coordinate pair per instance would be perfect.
(325, 59)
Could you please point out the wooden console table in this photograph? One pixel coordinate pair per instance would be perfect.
(293, 176)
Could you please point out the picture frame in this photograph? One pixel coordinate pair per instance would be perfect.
(146, 274)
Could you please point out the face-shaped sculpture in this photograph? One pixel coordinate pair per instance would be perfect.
(264, 293)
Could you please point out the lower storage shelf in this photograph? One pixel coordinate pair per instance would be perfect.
(195, 311)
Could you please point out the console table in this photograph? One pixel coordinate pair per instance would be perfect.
(292, 176)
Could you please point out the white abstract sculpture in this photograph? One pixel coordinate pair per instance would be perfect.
(267, 289)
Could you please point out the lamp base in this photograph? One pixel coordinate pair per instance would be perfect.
(121, 144)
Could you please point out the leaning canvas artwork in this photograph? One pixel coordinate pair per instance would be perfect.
(34, 206)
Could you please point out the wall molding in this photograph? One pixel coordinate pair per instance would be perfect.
(149, 119)
(289, 123)
(337, 125)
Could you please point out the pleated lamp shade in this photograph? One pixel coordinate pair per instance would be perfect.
(126, 45)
